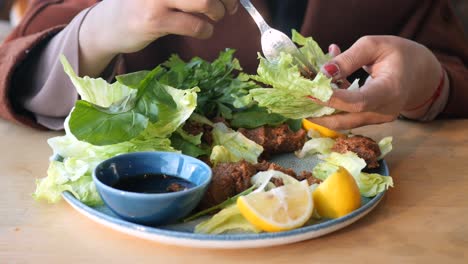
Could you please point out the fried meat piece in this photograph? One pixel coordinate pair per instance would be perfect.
(307, 175)
(275, 140)
(265, 165)
(194, 128)
(228, 179)
(231, 178)
(366, 148)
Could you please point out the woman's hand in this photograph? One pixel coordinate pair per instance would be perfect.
(123, 26)
(403, 76)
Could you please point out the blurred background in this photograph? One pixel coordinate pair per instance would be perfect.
(11, 12)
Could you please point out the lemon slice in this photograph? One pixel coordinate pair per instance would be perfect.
(283, 208)
(324, 132)
(337, 196)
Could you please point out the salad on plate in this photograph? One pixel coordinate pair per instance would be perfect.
(234, 122)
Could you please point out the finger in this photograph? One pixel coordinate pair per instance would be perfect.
(368, 98)
(342, 83)
(231, 5)
(361, 53)
(345, 121)
(334, 50)
(187, 25)
(214, 9)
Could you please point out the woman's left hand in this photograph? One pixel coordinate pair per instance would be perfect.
(403, 76)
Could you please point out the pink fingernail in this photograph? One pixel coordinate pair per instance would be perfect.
(331, 69)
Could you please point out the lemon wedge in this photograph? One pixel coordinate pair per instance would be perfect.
(282, 208)
(324, 132)
(337, 196)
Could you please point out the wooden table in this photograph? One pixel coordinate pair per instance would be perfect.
(424, 219)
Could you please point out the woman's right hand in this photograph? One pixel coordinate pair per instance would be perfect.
(122, 26)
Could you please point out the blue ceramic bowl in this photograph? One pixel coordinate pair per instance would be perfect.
(151, 208)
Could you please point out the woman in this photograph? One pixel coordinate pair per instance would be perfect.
(419, 72)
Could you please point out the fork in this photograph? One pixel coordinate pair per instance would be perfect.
(274, 42)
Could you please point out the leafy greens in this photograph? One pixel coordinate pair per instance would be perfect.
(289, 92)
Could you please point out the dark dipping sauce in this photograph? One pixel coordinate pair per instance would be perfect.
(153, 183)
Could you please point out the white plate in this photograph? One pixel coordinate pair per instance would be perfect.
(182, 234)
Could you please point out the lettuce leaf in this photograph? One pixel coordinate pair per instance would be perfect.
(73, 171)
(228, 220)
(99, 127)
(170, 119)
(370, 184)
(323, 170)
(290, 90)
(254, 117)
(132, 79)
(194, 139)
(311, 50)
(262, 179)
(188, 147)
(98, 91)
(322, 145)
(349, 160)
(385, 145)
(221, 154)
(201, 119)
(114, 113)
(233, 146)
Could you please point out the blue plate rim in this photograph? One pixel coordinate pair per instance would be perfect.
(228, 237)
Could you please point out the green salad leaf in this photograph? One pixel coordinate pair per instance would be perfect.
(114, 113)
(385, 145)
(311, 50)
(171, 118)
(228, 220)
(290, 91)
(132, 79)
(254, 117)
(262, 179)
(370, 184)
(99, 92)
(188, 147)
(227, 203)
(222, 89)
(349, 160)
(289, 95)
(232, 146)
(321, 145)
(194, 139)
(73, 162)
(100, 127)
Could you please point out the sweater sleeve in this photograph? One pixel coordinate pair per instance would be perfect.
(51, 95)
(33, 87)
(438, 28)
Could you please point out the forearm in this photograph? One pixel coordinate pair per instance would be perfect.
(94, 53)
(49, 95)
